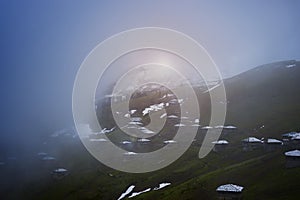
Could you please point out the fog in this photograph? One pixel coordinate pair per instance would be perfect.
(44, 43)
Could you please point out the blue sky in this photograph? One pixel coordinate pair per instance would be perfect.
(44, 42)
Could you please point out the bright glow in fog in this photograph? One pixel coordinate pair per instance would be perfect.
(126, 62)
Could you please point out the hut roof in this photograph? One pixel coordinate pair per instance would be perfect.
(294, 153)
(252, 140)
(230, 188)
(274, 141)
(221, 142)
(60, 170)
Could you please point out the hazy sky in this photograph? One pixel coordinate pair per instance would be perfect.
(44, 42)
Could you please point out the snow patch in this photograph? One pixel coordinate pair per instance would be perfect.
(129, 189)
(212, 88)
(126, 142)
(48, 158)
(206, 127)
(138, 193)
(290, 66)
(163, 115)
(42, 154)
(129, 153)
(155, 107)
(145, 130)
(132, 111)
(229, 127)
(162, 185)
(60, 170)
(173, 117)
(98, 140)
(179, 125)
(170, 142)
(143, 140)
(135, 123)
(221, 142)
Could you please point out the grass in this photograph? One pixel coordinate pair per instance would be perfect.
(271, 100)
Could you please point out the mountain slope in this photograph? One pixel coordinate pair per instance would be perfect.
(263, 102)
(268, 96)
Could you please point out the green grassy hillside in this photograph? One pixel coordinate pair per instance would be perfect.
(262, 102)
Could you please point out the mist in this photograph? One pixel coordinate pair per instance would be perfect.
(44, 43)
